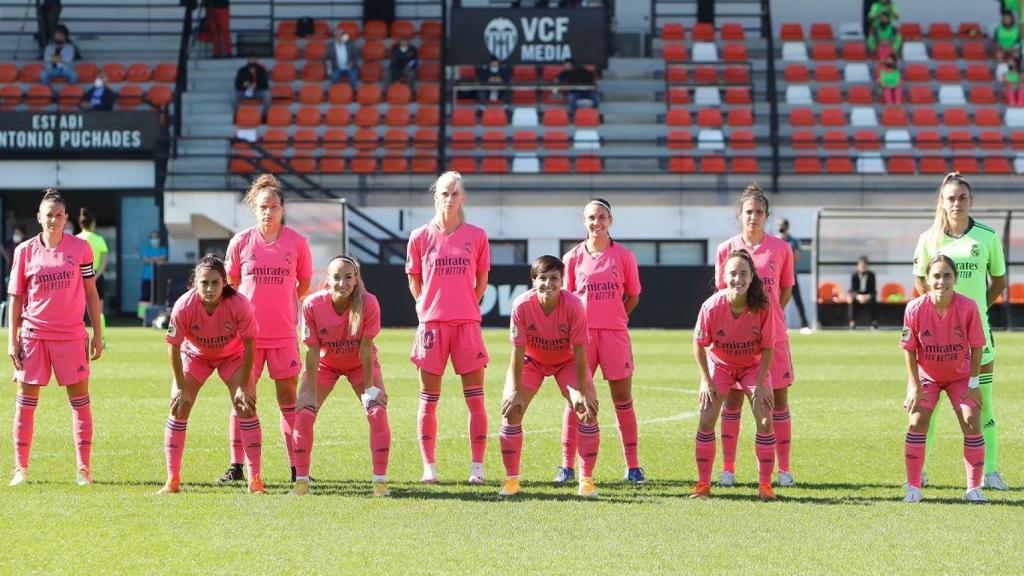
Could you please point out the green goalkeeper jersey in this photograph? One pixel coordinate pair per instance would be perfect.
(978, 253)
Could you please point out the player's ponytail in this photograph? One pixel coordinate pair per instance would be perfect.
(212, 262)
(355, 299)
(942, 225)
(757, 296)
(52, 195)
(262, 183)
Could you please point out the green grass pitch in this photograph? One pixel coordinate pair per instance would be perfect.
(845, 516)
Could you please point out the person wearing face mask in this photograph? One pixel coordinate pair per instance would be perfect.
(59, 55)
(404, 60)
(99, 97)
(494, 72)
(251, 82)
(152, 253)
(341, 60)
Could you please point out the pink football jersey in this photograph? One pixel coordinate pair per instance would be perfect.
(548, 338)
(332, 332)
(52, 282)
(213, 336)
(943, 345)
(448, 264)
(602, 282)
(735, 343)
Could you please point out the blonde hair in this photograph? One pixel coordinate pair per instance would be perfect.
(941, 225)
(262, 183)
(355, 300)
(442, 181)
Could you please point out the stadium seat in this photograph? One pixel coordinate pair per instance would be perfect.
(367, 117)
(556, 165)
(833, 117)
(917, 73)
(952, 95)
(975, 52)
(955, 117)
(494, 165)
(556, 117)
(588, 117)
(286, 51)
(283, 72)
(709, 118)
(745, 165)
(807, 165)
(987, 117)
(8, 73)
(69, 97)
(901, 165)
(308, 116)
(375, 30)
(910, 31)
(734, 96)
(804, 140)
(423, 164)
(960, 139)
(398, 94)
(340, 93)
(279, 116)
(556, 140)
(979, 73)
(798, 95)
(863, 117)
(494, 117)
(732, 31)
(674, 52)
(796, 73)
(677, 96)
(523, 117)
(461, 117)
(740, 117)
(427, 116)
(705, 74)
(866, 140)
(710, 139)
(835, 140)
(588, 165)
(679, 140)
(429, 72)
(996, 165)
(982, 94)
(371, 72)
(838, 165)
(966, 165)
(129, 98)
(369, 94)
(425, 139)
(736, 75)
(934, 165)
(337, 116)
(673, 31)
(854, 51)
(10, 97)
(829, 293)
(364, 164)
(898, 139)
(921, 95)
(430, 30)
(427, 93)
(929, 140)
(827, 73)
(402, 29)
(735, 53)
(893, 293)
(824, 52)
(921, 117)
(794, 52)
(831, 95)
(703, 32)
(742, 140)
(944, 51)
(524, 140)
(335, 139)
(494, 140)
(822, 32)
(791, 32)
(394, 164)
(713, 164)
(313, 72)
(801, 117)
(991, 140)
(860, 95)
(365, 139)
(681, 165)
(311, 94)
(894, 117)
(314, 50)
(397, 116)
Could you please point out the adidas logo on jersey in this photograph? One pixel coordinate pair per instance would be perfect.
(479, 355)
(293, 364)
(323, 330)
(720, 333)
(927, 333)
(81, 368)
(531, 327)
(195, 327)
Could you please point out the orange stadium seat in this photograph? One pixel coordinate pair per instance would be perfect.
(829, 292)
(681, 165)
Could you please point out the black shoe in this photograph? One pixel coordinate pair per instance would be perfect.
(233, 474)
(293, 474)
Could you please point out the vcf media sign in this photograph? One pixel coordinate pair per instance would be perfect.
(527, 36)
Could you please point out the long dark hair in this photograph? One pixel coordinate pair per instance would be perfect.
(212, 262)
(86, 219)
(757, 298)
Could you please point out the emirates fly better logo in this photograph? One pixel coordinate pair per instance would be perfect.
(501, 36)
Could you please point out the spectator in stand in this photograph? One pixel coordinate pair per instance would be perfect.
(404, 60)
(880, 7)
(218, 15)
(152, 253)
(891, 80)
(885, 39)
(494, 72)
(863, 293)
(1007, 37)
(7, 251)
(48, 14)
(573, 74)
(1011, 83)
(251, 82)
(59, 57)
(341, 60)
(99, 97)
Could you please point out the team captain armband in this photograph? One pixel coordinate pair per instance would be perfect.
(87, 271)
